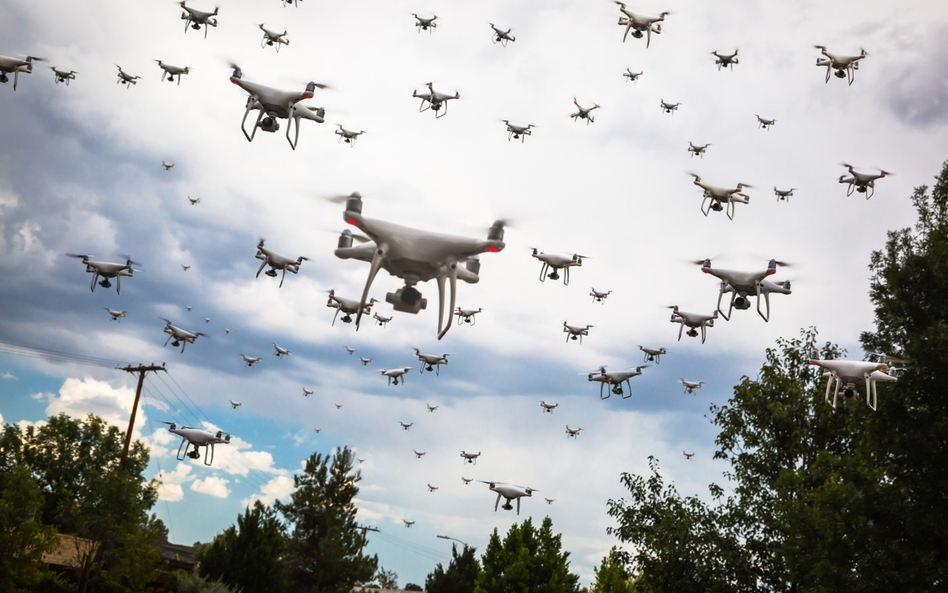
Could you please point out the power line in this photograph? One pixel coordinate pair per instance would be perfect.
(59, 356)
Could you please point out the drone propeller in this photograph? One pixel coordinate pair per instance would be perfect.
(528, 489)
(128, 259)
(885, 173)
(80, 255)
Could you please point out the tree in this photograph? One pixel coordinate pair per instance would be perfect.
(251, 555)
(613, 576)
(459, 577)
(23, 537)
(387, 579)
(526, 560)
(325, 543)
(413, 587)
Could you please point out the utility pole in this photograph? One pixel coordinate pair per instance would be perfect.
(141, 370)
(364, 529)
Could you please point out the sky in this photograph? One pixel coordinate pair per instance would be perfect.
(80, 172)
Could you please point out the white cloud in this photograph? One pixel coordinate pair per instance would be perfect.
(212, 485)
(80, 397)
(278, 488)
(9, 375)
(169, 488)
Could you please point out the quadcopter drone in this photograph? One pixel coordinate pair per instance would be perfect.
(380, 319)
(467, 481)
(180, 336)
(280, 352)
(172, 71)
(508, 492)
(186, 268)
(845, 66)
(207, 320)
(365, 361)
(743, 284)
(653, 354)
(420, 454)
(556, 263)
(764, 123)
(599, 297)
(338, 406)
(693, 321)
(234, 405)
(584, 112)
(632, 76)
(572, 433)
(15, 66)
(848, 373)
(273, 104)
(350, 351)
(394, 374)
(431, 362)
(348, 136)
(864, 183)
(115, 315)
(276, 262)
(199, 438)
(249, 361)
(715, 198)
(501, 37)
(575, 332)
(669, 107)
(424, 24)
(549, 500)
(470, 457)
(697, 150)
(687, 454)
(307, 392)
(515, 132)
(107, 270)
(690, 386)
(125, 78)
(63, 76)
(783, 194)
(431, 408)
(434, 100)
(406, 425)
(273, 39)
(548, 408)
(414, 256)
(615, 379)
(467, 315)
(432, 488)
(195, 18)
(295, 3)
(168, 167)
(408, 523)
(348, 306)
(725, 60)
(639, 24)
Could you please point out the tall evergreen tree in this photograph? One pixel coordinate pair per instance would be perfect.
(527, 560)
(458, 577)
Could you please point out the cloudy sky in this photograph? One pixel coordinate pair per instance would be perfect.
(80, 172)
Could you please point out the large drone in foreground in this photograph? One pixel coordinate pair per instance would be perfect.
(848, 373)
(720, 198)
(107, 270)
(638, 24)
(508, 492)
(14, 66)
(864, 183)
(615, 379)
(742, 285)
(845, 66)
(199, 438)
(276, 262)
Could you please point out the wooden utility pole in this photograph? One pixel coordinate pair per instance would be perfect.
(141, 370)
(364, 530)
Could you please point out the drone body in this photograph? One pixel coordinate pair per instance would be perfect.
(742, 285)
(406, 425)
(431, 408)
(271, 258)
(599, 297)
(509, 492)
(15, 66)
(584, 112)
(501, 37)
(172, 71)
(467, 315)
(434, 100)
(365, 361)
(63, 76)
(653, 354)
(194, 18)
(273, 39)
(180, 336)
(553, 263)
(764, 123)
(849, 373)
(125, 78)
(549, 500)
(350, 351)
(697, 150)
(467, 481)
(515, 132)
(844, 66)
(783, 194)
(348, 307)
(198, 438)
(432, 488)
(572, 433)
(632, 76)
(106, 270)
(381, 320)
(280, 352)
(307, 392)
(273, 104)
(718, 198)
(408, 523)
(424, 24)
(115, 315)
(690, 386)
(431, 362)
(470, 457)
(669, 107)
(693, 321)
(394, 374)
(420, 454)
(638, 24)
(725, 60)
(687, 454)
(348, 136)
(168, 167)
(234, 405)
(249, 361)
(547, 408)
(615, 379)
(864, 183)
(575, 332)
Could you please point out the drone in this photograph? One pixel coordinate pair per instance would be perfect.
(548, 408)
(434, 100)
(501, 37)
(234, 404)
(15, 66)
(381, 320)
(194, 201)
(207, 320)
(273, 104)
(764, 123)
(280, 352)
(62, 76)
(186, 268)
(584, 112)
(317, 430)
(348, 306)
(864, 183)
(271, 258)
(632, 76)
(338, 406)
(365, 361)
(307, 392)
(431, 408)
(467, 315)
(424, 24)
(406, 425)
(653, 354)
(549, 500)
(226, 330)
(693, 321)
(115, 315)
(195, 18)
(639, 24)
(556, 263)
(125, 78)
(575, 332)
(107, 270)
(420, 454)
(690, 386)
(615, 379)
(432, 488)
(466, 481)
(431, 362)
(470, 457)
(599, 297)
(168, 167)
(783, 194)
(687, 454)
(180, 336)
(295, 3)
(414, 256)
(172, 71)
(273, 39)
(394, 374)
(189, 307)
(697, 150)
(743, 284)
(725, 60)
(348, 136)
(350, 351)
(199, 438)
(515, 132)
(572, 433)
(408, 523)
(848, 373)
(845, 66)
(715, 198)
(669, 107)
(250, 360)
(508, 492)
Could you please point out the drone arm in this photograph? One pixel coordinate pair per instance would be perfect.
(705, 204)
(183, 444)
(243, 128)
(293, 119)
(566, 281)
(497, 502)
(118, 283)
(720, 295)
(703, 332)
(95, 276)
(629, 384)
(681, 328)
(262, 265)
(209, 454)
(283, 277)
(766, 302)
(380, 252)
(518, 505)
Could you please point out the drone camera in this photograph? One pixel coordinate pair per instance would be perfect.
(406, 299)
(269, 124)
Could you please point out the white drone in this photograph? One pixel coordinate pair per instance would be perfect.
(509, 492)
(195, 18)
(168, 167)
(575, 332)
(420, 454)
(424, 24)
(199, 438)
(432, 488)
(115, 315)
(186, 267)
(501, 37)
(718, 198)
(864, 183)
(572, 433)
(845, 66)
(394, 374)
(584, 112)
(639, 24)
(180, 336)
(125, 78)
(470, 457)
(431, 362)
(250, 360)
(107, 270)
(687, 454)
(693, 321)
(599, 297)
(669, 107)
(406, 425)
(350, 351)
(271, 258)
(742, 285)
(764, 123)
(365, 361)
(348, 307)
(467, 315)
(234, 405)
(690, 386)
(207, 320)
(697, 150)
(632, 76)
(414, 256)
(549, 500)
(172, 71)
(273, 104)
(280, 352)
(548, 408)
(431, 408)
(467, 481)
(273, 39)
(653, 354)
(556, 263)
(515, 132)
(307, 392)
(783, 194)
(848, 373)
(615, 379)
(381, 320)
(408, 523)
(14, 66)
(725, 60)
(63, 76)
(348, 136)
(434, 100)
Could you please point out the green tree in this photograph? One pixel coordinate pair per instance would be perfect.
(387, 579)
(526, 560)
(325, 543)
(413, 587)
(249, 556)
(193, 583)
(458, 577)
(23, 536)
(613, 576)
